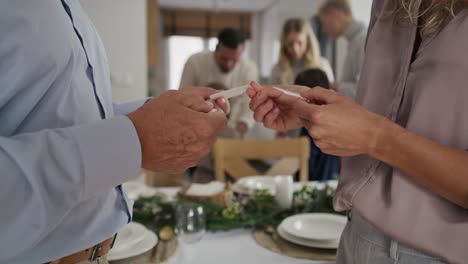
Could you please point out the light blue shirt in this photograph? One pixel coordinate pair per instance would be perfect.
(61, 163)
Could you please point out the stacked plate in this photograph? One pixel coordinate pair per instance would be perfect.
(250, 184)
(132, 240)
(135, 189)
(315, 230)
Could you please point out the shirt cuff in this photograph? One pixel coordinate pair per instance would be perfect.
(126, 108)
(110, 153)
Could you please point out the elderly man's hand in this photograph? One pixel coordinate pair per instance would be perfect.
(178, 128)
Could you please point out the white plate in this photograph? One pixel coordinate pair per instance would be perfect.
(305, 242)
(206, 189)
(315, 226)
(129, 235)
(248, 185)
(134, 189)
(149, 241)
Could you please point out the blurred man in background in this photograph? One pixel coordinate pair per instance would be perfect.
(225, 65)
(337, 20)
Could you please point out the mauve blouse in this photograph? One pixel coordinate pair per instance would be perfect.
(429, 96)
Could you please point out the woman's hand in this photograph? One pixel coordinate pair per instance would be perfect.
(338, 125)
(273, 108)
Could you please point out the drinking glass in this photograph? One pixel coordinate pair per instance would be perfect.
(190, 227)
(190, 222)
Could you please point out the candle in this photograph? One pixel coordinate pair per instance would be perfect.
(284, 191)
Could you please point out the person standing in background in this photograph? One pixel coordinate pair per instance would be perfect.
(337, 20)
(299, 51)
(228, 66)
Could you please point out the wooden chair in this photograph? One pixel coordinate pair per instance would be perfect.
(230, 156)
(158, 179)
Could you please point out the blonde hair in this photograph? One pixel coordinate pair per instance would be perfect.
(433, 14)
(312, 56)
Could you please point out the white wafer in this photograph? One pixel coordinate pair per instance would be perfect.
(238, 91)
(293, 94)
(234, 92)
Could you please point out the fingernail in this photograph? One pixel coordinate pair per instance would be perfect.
(210, 104)
(225, 101)
(213, 110)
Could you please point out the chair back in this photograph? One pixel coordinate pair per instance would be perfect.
(231, 155)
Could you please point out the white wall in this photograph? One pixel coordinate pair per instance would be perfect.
(268, 33)
(362, 9)
(122, 26)
(297, 8)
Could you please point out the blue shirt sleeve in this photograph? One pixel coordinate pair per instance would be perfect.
(126, 108)
(58, 169)
(59, 159)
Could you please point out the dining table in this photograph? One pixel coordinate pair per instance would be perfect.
(227, 247)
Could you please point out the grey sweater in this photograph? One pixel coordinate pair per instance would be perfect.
(356, 37)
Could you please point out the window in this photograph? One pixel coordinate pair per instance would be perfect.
(180, 49)
(212, 42)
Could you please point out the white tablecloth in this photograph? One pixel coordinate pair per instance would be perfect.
(231, 247)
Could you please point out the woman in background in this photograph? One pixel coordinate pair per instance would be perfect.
(299, 51)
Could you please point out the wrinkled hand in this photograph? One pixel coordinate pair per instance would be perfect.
(273, 108)
(178, 128)
(338, 125)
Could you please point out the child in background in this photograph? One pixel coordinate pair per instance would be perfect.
(321, 166)
(312, 78)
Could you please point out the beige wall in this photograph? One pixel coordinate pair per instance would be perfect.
(122, 26)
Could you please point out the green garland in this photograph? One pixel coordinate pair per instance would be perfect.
(259, 211)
